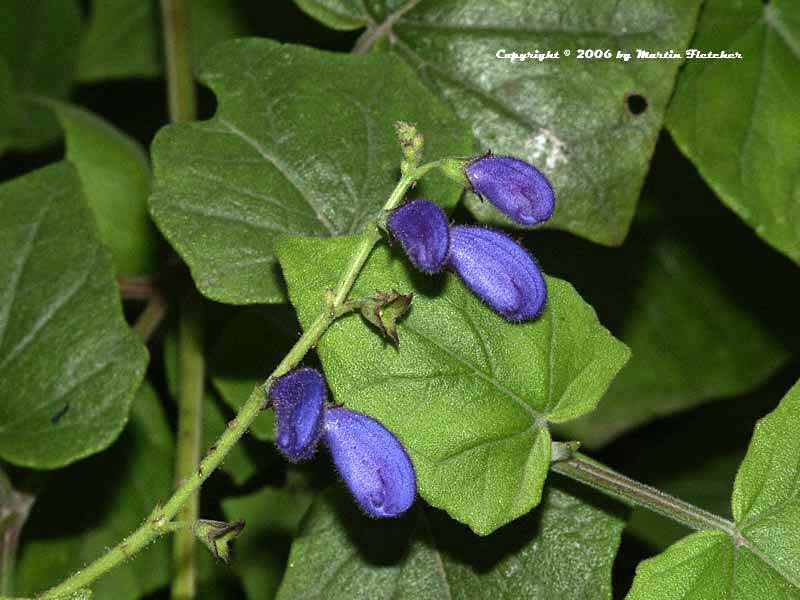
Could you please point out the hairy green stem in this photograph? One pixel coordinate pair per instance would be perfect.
(585, 470)
(159, 521)
(191, 371)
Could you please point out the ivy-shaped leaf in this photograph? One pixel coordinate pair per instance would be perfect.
(116, 181)
(761, 560)
(69, 364)
(746, 147)
(39, 42)
(340, 553)
(469, 394)
(302, 143)
(569, 116)
(91, 506)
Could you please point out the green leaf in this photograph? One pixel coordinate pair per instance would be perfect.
(272, 517)
(69, 364)
(762, 560)
(567, 116)
(469, 394)
(116, 180)
(302, 143)
(93, 505)
(564, 550)
(39, 42)
(676, 296)
(765, 501)
(123, 38)
(746, 146)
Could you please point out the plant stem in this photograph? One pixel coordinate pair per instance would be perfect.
(159, 521)
(189, 438)
(371, 237)
(151, 317)
(632, 492)
(180, 81)
(183, 107)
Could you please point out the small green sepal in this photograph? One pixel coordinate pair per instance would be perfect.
(456, 169)
(217, 536)
(385, 309)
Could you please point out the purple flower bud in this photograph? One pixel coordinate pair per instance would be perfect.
(423, 230)
(372, 462)
(499, 271)
(299, 401)
(518, 189)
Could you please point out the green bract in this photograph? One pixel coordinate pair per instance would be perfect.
(469, 394)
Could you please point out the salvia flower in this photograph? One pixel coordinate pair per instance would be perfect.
(518, 189)
(372, 462)
(298, 398)
(499, 271)
(423, 230)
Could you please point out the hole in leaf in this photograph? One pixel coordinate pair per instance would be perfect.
(635, 104)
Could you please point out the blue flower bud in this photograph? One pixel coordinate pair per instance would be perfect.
(372, 462)
(299, 401)
(499, 271)
(518, 189)
(423, 230)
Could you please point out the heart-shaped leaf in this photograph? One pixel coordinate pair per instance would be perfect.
(589, 123)
(759, 559)
(469, 394)
(302, 143)
(69, 364)
(341, 554)
(746, 146)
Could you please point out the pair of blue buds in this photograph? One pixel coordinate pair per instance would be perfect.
(496, 268)
(370, 459)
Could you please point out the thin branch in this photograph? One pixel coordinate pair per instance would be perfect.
(136, 287)
(585, 470)
(152, 316)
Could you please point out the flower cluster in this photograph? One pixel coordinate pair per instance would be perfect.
(370, 459)
(496, 268)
